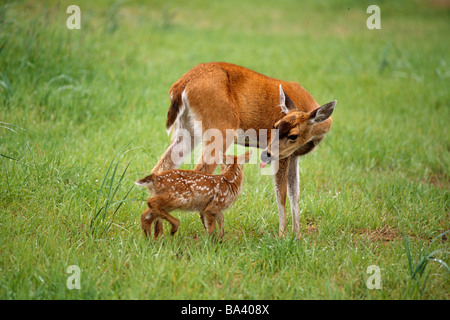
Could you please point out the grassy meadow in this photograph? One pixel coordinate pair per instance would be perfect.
(82, 116)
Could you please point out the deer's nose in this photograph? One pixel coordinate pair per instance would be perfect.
(266, 157)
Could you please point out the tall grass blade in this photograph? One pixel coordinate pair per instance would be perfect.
(7, 157)
(417, 271)
(103, 185)
(408, 254)
(111, 196)
(6, 172)
(109, 179)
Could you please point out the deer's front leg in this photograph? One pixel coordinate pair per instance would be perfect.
(172, 220)
(280, 192)
(294, 194)
(147, 219)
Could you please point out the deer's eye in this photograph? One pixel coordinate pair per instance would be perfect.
(292, 137)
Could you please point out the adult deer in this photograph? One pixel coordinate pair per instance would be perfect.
(221, 96)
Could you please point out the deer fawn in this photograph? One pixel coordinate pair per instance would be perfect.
(224, 96)
(193, 191)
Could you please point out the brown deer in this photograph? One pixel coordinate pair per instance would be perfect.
(193, 191)
(223, 96)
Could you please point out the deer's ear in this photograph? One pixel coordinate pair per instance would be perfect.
(323, 113)
(277, 124)
(286, 104)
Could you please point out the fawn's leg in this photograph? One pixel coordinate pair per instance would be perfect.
(147, 219)
(209, 220)
(210, 160)
(155, 204)
(219, 219)
(202, 218)
(173, 221)
(158, 227)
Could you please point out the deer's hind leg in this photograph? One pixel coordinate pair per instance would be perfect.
(220, 220)
(158, 227)
(154, 205)
(210, 216)
(147, 219)
(185, 138)
(209, 221)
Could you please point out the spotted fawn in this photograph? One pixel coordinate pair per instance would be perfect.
(189, 190)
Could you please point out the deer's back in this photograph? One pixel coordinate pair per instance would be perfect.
(239, 95)
(192, 190)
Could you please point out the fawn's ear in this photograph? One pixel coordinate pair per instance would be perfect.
(286, 104)
(323, 113)
(224, 157)
(245, 158)
(228, 159)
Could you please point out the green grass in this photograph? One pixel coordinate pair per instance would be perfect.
(376, 192)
